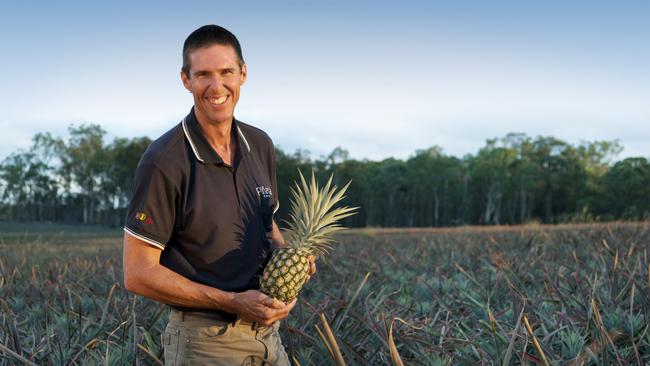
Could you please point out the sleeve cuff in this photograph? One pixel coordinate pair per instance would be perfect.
(277, 206)
(144, 238)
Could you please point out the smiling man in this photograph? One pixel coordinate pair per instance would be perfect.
(198, 232)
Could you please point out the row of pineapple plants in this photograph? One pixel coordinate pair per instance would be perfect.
(575, 295)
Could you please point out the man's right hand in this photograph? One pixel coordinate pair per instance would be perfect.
(257, 307)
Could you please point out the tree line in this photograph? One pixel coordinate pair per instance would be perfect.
(511, 180)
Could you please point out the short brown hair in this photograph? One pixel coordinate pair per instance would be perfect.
(207, 36)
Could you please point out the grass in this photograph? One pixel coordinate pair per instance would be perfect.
(557, 295)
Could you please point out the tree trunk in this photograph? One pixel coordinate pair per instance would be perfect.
(463, 206)
(388, 221)
(436, 207)
(497, 208)
(411, 210)
(91, 210)
(487, 217)
(548, 207)
(522, 206)
(85, 210)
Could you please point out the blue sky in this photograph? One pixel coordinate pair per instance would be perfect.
(377, 78)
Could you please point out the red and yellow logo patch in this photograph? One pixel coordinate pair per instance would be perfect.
(141, 216)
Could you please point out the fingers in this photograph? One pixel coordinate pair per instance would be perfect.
(273, 303)
(312, 267)
(270, 316)
(312, 264)
(273, 319)
(263, 309)
(292, 304)
(279, 314)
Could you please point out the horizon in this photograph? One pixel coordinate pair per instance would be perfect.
(108, 139)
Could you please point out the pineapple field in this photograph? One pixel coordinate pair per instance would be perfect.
(520, 295)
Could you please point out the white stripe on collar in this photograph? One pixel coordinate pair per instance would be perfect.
(244, 139)
(187, 134)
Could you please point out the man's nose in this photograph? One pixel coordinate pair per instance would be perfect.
(216, 82)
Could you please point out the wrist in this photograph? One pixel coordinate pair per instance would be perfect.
(225, 300)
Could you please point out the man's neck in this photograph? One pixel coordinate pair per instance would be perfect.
(220, 137)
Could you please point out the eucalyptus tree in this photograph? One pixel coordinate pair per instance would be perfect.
(435, 188)
(626, 190)
(84, 166)
(490, 181)
(563, 179)
(122, 157)
(29, 187)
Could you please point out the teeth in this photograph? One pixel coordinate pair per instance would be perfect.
(219, 100)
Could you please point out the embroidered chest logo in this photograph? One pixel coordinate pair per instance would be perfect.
(264, 192)
(141, 216)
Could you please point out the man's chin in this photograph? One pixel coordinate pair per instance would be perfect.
(215, 117)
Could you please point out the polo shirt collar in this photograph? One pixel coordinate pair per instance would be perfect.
(200, 145)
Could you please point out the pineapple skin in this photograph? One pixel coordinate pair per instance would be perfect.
(285, 273)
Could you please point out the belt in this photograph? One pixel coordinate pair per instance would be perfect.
(218, 315)
(214, 314)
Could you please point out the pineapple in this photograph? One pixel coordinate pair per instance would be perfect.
(312, 222)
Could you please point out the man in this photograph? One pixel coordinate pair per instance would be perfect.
(200, 226)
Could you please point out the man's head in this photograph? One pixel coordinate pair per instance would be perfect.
(206, 36)
(213, 71)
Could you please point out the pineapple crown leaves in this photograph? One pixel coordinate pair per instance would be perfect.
(313, 218)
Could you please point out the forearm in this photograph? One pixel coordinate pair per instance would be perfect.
(164, 285)
(144, 275)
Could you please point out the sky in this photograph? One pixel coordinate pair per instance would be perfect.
(377, 78)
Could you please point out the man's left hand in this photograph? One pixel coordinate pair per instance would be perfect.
(312, 267)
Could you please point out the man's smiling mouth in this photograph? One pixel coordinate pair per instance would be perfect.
(218, 101)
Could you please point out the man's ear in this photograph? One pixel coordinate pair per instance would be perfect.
(186, 81)
(244, 74)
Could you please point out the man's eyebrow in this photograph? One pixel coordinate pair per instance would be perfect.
(204, 72)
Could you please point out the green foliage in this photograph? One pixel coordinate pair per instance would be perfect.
(626, 189)
(511, 180)
(572, 343)
(28, 180)
(73, 180)
(459, 294)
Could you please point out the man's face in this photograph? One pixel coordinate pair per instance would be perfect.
(214, 80)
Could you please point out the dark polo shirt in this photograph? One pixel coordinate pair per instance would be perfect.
(211, 220)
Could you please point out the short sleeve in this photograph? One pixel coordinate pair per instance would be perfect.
(152, 210)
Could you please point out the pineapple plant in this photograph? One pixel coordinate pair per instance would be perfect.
(313, 219)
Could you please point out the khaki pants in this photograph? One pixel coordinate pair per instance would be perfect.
(199, 339)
